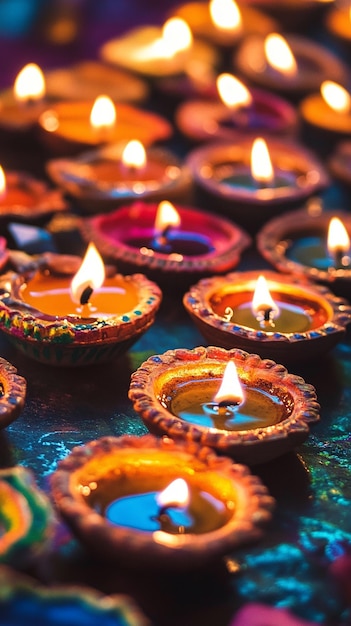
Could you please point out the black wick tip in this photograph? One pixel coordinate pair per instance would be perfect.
(86, 295)
(224, 404)
(267, 315)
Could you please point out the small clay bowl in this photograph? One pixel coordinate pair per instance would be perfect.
(13, 393)
(213, 165)
(328, 315)
(25, 514)
(124, 236)
(277, 239)
(158, 380)
(98, 184)
(95, 474)
(29, 199)
(68, 340)
(22, 596)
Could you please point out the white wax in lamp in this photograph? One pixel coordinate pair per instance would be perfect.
(279, 55)
(88, 294)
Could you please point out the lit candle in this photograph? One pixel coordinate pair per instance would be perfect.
(293, 65)
(89, 294)
(326, 116)
(104, 178)
(248, 173)
(277, 316)
(154, 502)
(180, 245)
(152, 50)
(223, 22)
(249, 410)
(63, 321)
(298, 243)
(75, 125)
(168, 238)
(20, 108)
(286, 313)
(175, 510)
(239, 109)
(323, 252)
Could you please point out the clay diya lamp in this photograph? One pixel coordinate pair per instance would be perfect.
(86, 79)
(13, 393)
(25, 515)
(326, 116)
(22, 596)
(311, 243)
(338, 23)
(158, 51)
(252, 180)
(291, 15)
(223, 22)
(255, 412)
(279, 317)
(71, 127)
(340, 163)
(293, 66)
(27, 199)
(158, 504)
(172, 244)
(21, 106)
(239, 109)
(88, 319)
(100, 180)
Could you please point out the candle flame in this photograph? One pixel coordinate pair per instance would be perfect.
(177, 34)
(230, 390)
(134, 155)
(175, 494)
(336, 97)
(225, 14)
(261, 164)
(232, 91)
(279, 55)
(338, 238)
(262, 299)
(90, 274)
(29, 83)
(166, 216)
(2, 183)
(103, 113)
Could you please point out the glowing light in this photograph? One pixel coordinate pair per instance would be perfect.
(338, 238)
(279, 55)
(225, 14)
(175, 494)
(230, 391)
(261, 164)
(29, 83)
(262, 300)
(134, 155)
(166, 216)
(2, 184)
(90, 274)
(336, 97)
(177, 35)
(103, 113)
(232, 91)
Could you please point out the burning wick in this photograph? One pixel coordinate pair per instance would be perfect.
(229, 396)
(86, 295)
(167, 217)
(90, 276)
(339, 243)
(263, 306)
(176, 495)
